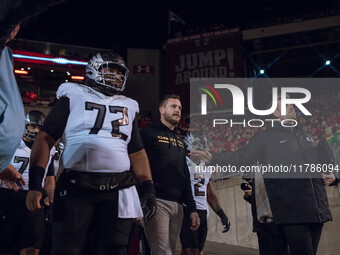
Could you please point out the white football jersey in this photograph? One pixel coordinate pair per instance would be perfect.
(96, 137)
(21, 160)
(199, 182)
(98, 130)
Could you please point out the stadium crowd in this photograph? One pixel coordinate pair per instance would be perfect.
(325, 121)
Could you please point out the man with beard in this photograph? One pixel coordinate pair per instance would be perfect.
(166, 152)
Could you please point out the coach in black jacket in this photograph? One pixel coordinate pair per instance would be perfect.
(299, 205)
(170, 174)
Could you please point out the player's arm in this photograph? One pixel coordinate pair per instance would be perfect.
(146, 138)
(53, 128)
(49, 185)
(139, 159)
(39, 159)
(215, 205)
(140, 164)
(141, 167)
(189, 200)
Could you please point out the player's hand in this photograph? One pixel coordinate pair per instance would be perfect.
(226, 226)
(247, 193)
(195, 221)
(33, 200)
(49, 187)
(148, 205)
(13, 33)
(224, 220)
(47, 201)
(148, 201)
(12, 178)
(137, 221)
(201, 155)
(328, 179)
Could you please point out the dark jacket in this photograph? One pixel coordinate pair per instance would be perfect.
(166, 153)
(292, 200)
(257, 226)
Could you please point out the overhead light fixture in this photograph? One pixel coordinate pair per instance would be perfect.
(327, 62)
(261, 71)
(20, 72)
(52, 71)
(62, 61)
(77, 77)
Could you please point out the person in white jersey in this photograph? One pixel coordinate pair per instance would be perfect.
(22, 230)
(203, 193)
(99, 129)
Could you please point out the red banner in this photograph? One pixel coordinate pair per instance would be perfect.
(210, 55)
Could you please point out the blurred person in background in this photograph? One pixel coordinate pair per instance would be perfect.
(22, 230)
(12, 114)
(204, 195)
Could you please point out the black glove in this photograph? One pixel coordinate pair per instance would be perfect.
(36, 175)
(48, 213)
(224, 220)
(2, 216)
(148, 201)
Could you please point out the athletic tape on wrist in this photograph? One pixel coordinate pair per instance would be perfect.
(36, 176)
(148, 187)
(221, 214)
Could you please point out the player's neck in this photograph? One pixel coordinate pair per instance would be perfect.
(29, 143)
(168, 124)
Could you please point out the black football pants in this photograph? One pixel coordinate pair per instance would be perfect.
(76, 212)
(303, 239)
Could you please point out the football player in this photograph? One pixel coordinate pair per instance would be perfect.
(99, 129)
(203, 193)
(21, 229)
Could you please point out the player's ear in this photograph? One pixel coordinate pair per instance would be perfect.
(161, 110)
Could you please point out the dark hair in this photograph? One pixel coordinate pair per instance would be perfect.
(165, 98)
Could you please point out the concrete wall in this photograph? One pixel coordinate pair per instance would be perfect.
(239, 213)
